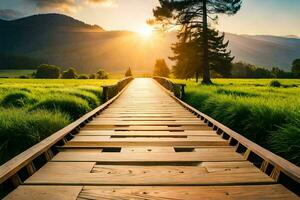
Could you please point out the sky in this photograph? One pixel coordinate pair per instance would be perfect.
(257, 17)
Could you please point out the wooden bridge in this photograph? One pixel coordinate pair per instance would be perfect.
(146, 144)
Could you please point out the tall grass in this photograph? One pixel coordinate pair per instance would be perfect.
(21, 129)
(73, 106)
(285, 141)
(17, 98)
(31, 110)
(255, 109)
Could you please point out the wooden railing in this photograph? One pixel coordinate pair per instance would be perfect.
(18, 169)
(109, 91)
(281, 170)
(176, 88)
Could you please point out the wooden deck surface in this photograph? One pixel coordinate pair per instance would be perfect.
(147, 146)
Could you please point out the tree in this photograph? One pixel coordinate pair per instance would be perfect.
(69, 74)
(45, 71)
(220, 60)
(161, 68)
(279, 73)
(192, 18)
(245, 70)
(101, 74)
(128, 72)
(83, 76)
(92, 76)
(296, 67)
(187, 56)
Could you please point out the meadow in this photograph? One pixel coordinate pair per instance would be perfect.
(33, 109)
(266, 114)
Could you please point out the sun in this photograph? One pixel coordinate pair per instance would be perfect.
(145, 31)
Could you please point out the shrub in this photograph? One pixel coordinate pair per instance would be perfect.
(47, 71)
(21, 129)
(128, 73)
(275, 83)
(92, 76)
(69, 74)
(17, 99)
(75, 107)
(161, 68)
(83, 76)
(101, 74)
(23, 77)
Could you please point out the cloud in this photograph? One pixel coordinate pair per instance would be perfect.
(59, 5)
(65, 5)
(9, 14)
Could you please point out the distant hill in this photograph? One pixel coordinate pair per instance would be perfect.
(64, 41)
(265, 50)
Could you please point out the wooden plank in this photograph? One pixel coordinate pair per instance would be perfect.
(93, 141)
(79, 173)
(92, 156)
(148, 128)
(144, 133)
(134, 115)
(131, 119)
(145, 123)
(147, 150)
(265, 192)
(45, 193)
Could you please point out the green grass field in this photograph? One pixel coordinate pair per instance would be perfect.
(269, 116)
(32, 109)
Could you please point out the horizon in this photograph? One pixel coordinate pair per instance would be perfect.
(107, 14)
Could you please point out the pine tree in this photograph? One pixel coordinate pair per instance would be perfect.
(192, 16)
(128, 72)
(220, 59)
(187, 56)
(161, 68)
(186, 59)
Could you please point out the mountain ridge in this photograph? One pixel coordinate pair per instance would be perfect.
(67, 42)
(264, 50)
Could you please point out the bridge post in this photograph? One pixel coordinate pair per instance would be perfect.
(109, 91)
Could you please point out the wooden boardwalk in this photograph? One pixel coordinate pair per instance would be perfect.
(145, 146)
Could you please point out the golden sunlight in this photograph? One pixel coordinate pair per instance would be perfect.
(145, 31)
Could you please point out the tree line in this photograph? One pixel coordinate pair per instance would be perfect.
(236, 70)
(246, 70)
(46, 71)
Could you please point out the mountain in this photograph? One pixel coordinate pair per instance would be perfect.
(64, 41)
(292, 36)
(264, 50)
